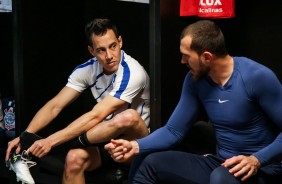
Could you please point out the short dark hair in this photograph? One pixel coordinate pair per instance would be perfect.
(99, 27)
(206, 36)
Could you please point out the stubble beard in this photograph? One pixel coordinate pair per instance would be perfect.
(203, 71)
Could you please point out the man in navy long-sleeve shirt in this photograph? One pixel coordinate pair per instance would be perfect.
(243, 100)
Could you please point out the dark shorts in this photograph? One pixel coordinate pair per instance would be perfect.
(106, 158)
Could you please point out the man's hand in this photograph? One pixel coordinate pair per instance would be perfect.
(122, 150)
(242, 166)
(40, 148)
(15, 143)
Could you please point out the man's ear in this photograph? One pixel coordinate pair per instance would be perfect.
(91, 50)
(207, 56)
(120, 41)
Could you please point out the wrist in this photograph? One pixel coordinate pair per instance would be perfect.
(135, 147)
(49, 140)
(257, 162)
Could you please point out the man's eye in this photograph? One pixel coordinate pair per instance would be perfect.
(114, 46)
(100, 51)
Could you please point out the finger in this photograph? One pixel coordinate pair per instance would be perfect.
(118, 141)
(30, 149)
(237, 168)
(8, 151)
(40, 155)
(113, 141)
(117, 154)
(249, 174)
(34, 149)
(242, 165)
(230, 162)
(119, 158)
(118, 149)
(38, 151)
(18, 149)
(27, 151)
(241, 172)
(109, 146)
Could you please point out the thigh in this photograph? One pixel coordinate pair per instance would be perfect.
(221, 175)
(270, 174)
(175, 167)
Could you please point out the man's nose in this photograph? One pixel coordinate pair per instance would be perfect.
(108, 54)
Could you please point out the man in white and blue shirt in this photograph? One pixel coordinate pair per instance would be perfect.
(118, 83)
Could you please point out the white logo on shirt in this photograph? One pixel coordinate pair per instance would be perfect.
(222, 101)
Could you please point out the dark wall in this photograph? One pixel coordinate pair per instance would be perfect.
(52, 45)
(255, 32)
(6, 53)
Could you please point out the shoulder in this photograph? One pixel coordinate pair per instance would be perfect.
(85, 71)
(131, 67)
(249, 68)
(87, 68)
(255, 76)
(128, 61)
(87, 65)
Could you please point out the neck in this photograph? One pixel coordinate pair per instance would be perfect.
(221, 70)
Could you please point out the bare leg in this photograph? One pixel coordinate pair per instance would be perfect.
(127, 123)
(78, 161)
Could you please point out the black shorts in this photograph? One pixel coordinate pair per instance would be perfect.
(106, 159)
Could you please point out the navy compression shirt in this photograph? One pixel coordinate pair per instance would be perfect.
(246, 113)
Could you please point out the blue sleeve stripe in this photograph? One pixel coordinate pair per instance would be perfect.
(90, 62)
(125, 79)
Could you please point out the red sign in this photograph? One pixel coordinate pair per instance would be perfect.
(208, 8)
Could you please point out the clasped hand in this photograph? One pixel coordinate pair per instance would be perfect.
(120, 150)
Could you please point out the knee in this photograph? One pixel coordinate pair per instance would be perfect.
(126, 119)
(152, 161)
(147, 171)
(221, 175)
(75, 161)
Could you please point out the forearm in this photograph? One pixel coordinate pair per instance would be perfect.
(74, 129)
(43, 117)
(271, 153)
(161, 139)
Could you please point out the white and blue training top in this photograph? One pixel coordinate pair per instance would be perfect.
(129, 83)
